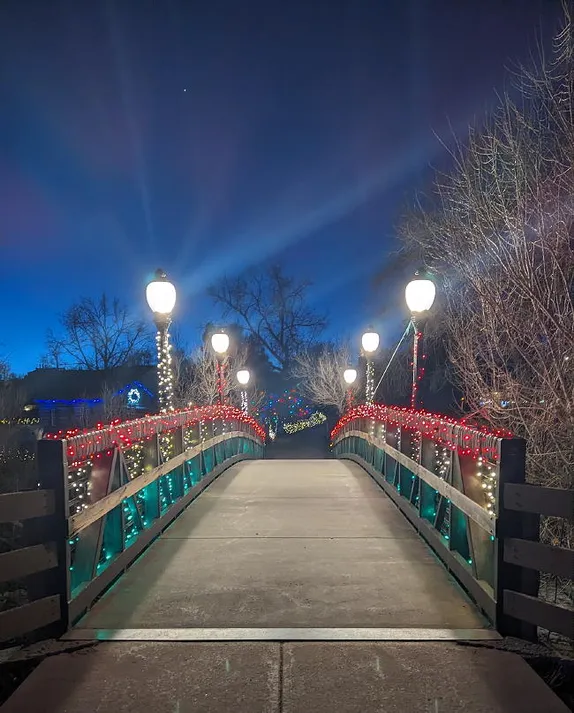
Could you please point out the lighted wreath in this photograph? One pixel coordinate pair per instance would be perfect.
(134, 397)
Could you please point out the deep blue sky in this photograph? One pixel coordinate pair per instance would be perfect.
(208, 136)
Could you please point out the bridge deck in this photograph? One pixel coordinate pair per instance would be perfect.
(286, 544)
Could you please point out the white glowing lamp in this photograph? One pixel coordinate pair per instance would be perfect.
(160, 294)
(350, 376)
(370, 342)
(420, 294)
(243, 376)
(220, 342)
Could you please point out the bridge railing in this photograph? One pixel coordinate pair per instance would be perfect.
(448, 478)
(104, 496)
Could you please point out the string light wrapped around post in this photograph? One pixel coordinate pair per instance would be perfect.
(164, 370)
(161, 297)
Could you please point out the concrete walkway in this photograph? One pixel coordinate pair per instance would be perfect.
(287, 544)
(280, 548)
(406, 677)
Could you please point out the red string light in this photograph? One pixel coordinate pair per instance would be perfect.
(467, 439)
(83, 444)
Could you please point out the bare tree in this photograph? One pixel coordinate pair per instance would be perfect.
(320, 372)
(5, 371)
(17, 441)
(273, 308)
(499, 235)
(99, 334)
(196, 378)
(52, 358)
(114, 404)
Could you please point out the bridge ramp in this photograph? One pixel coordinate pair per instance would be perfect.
(287, 544)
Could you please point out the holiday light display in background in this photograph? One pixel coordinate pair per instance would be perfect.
(33, 421)
(286, 407)
(134, 397)
(272, 431)
(314, 420)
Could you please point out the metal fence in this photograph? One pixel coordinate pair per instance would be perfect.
(463, 489)
(104, 496)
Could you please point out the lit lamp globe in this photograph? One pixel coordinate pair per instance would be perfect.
(243, 377)
(220, 343)
(370, 342)
(420, 294)
(160, 294)
(350, 376)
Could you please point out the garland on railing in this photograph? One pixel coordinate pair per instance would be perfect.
(452, 433)
(82, 444)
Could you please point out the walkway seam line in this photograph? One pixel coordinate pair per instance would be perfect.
(280, 681)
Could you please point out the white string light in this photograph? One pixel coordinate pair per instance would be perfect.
(164, 371)
(442, 459)
(487, 474)
(370, 385)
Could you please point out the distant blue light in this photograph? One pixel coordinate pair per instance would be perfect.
(68, 402)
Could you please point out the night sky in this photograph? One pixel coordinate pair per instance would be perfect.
(208, 136)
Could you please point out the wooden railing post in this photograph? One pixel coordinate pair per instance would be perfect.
(522, 525)
(53, 475)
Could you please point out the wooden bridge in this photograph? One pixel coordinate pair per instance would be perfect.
(181, 570)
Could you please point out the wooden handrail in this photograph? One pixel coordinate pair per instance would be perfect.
(25, 561)
(26, 505)
(539, 499)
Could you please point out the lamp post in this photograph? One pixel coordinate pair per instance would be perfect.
(370, 344)
(161, 296)
(243, 377)
(350, 376)
(419, 295)
(220, 345)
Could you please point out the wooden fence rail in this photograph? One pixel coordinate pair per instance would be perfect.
(26, 562)
(532, 555)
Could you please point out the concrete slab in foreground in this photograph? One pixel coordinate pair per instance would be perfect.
(410, 677)
(284, 678)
